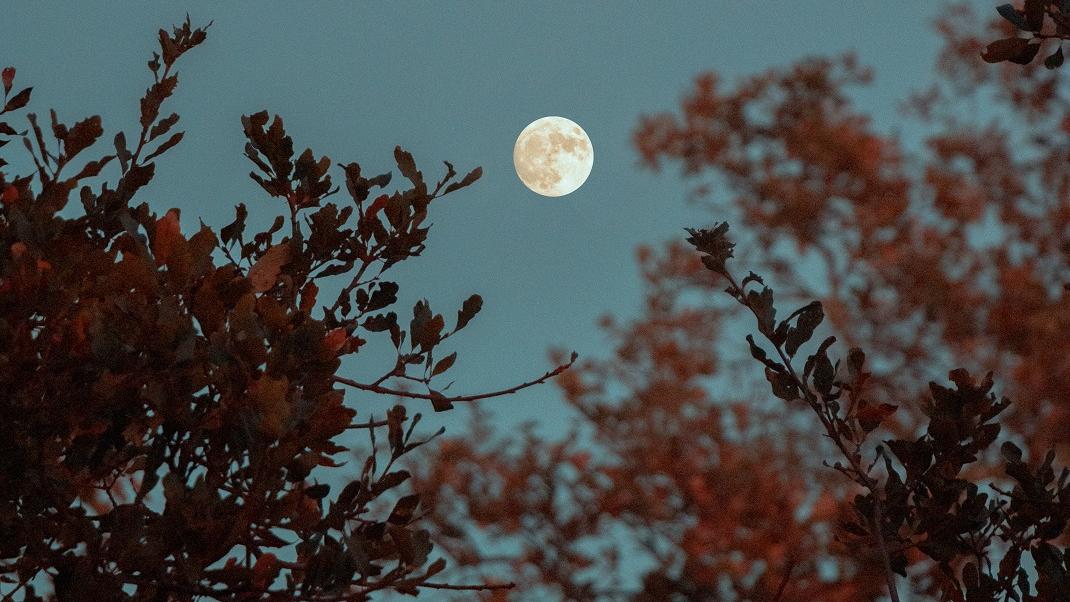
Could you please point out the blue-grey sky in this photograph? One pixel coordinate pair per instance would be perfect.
(458, 81)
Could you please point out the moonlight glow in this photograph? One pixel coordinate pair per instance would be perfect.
(553, 156)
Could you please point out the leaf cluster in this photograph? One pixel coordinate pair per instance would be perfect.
(1042, 20)
(918, 494)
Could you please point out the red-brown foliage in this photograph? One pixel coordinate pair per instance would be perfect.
(948, 253)
(170, 400)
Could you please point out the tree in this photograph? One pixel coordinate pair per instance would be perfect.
(171, 402)
(951, 252)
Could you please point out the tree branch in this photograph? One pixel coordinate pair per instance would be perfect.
(863, 476)
(439, 398)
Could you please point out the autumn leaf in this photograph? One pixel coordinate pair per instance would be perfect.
(167, 232)
(272, 405)
(335, 339)
(1017, 50)
(407, 166)
(266, 270)
(265, 571)
(467, 180)
(444, 364)
(19, 100)
(404, 509)
(318, 492)
(471, 306)
(870, 417)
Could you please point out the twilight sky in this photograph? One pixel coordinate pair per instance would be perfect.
(458, 81)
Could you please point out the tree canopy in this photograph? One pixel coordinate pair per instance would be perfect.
(172, 400)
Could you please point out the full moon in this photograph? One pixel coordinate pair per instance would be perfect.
(553, 156)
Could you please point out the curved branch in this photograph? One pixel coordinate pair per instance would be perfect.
(439, 398)
(476, 587)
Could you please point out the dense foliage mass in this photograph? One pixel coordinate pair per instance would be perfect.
(951, 252)
(171, 401)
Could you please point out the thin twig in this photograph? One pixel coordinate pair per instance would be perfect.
(476, 587)
(459, 398)
(371, 424)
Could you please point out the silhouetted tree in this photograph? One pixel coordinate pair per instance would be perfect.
(166, 397)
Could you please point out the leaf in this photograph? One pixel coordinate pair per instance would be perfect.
(809, 319)
(439, 402)
(395, 419)
(715, 244)
(1011, 452)
(783, 384)
(390, 481)
(419, 327)
(404, 510)
(468, 310)
(265, 571)
(407, 166)
(384, 295)
(82, 135)
(467, 180)
(1008, 12)
(436, 567)
(10, 195)
(121, 150)
(93, 168)
(170, 143)
(759, 354)
(1055, 60)
(138, 176)
(380, 322)
(1034, 14)
(234, 230)
(824, 374)
(163, 126)
(856, 358)
(1010, 49)
(870, 417)
(7, 129)
(1027, 55)
(266, 271)
(335, 338)
(8, 77)
(166, 234)
(444, 364)
(308, 296)
(272, 406)
(154, 97)
(761, 303)
(19, 100)
(318, 492)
